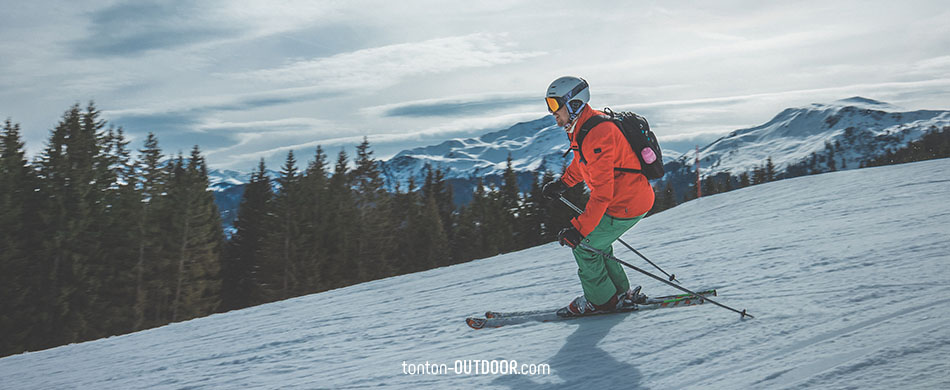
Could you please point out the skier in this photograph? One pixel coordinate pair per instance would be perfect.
(618, 199)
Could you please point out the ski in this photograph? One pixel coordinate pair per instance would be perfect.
(494, 319)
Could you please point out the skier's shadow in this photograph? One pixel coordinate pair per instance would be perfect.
(580, 363)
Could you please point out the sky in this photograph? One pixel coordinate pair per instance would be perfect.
(247, 80)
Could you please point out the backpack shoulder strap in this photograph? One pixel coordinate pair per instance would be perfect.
(588, 125)
(593, 121)
(586, 128)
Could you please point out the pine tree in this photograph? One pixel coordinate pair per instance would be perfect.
(152, 179)
(482, 207)
(18, 273)
(509, 203)
(246, 252)
(769, 170)
(468, 235)
(669, 195)
(281, 275)
(436, 184)
(710, 187)
(115, 271)
(830, 150)
(314, 210)
(744, 180)
(509, 189)
(197, 237)
(691, 192)
(531, 219)
(727, 184)
(406, 212)
(342, 269)
(665, 198)
(759, 175)
(375, 239)
(429, 235)
(72, 205)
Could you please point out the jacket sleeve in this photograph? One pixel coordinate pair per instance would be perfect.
(572, 175)
(600, 149)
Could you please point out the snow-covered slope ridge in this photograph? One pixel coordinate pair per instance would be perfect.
(847, 274)
(860, 127)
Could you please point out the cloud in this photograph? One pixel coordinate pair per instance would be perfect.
(273, 145)
(286, 124)
(131, 28)
(384, 66)
(187, 122)
(457, 106)
(177, 111)
(255, 76)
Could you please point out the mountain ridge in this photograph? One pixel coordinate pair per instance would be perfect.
(855, 129)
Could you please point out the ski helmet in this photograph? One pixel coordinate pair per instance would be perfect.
(569, 91)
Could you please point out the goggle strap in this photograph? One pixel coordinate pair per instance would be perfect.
(577, 89)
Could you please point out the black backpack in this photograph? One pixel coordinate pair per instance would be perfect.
(637, 132)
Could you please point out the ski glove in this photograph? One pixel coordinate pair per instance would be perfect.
(570, 237)
(554, 189)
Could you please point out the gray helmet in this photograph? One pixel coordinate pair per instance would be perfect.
(570, 91)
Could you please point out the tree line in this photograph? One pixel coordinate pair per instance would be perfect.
(98, 242)
(934, 144)
(331, 226)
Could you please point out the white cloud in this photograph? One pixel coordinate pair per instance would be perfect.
(939, 65)
(285, 124)
(412, 73)
(273, 145)
(384, 66)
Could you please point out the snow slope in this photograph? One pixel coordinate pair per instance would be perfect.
(847, 274)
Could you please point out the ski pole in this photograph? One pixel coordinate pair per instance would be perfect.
(579, 211)
(700, 297)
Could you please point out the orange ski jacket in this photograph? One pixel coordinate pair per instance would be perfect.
(617, 193)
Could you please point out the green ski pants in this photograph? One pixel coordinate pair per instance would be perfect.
(601, 277)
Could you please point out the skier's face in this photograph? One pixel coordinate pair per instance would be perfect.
(562, 117)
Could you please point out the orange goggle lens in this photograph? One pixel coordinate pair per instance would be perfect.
(554, 104)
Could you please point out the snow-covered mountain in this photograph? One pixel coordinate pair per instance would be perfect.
(856, 128)
(848, 286)
(531, 145)
(225, 179)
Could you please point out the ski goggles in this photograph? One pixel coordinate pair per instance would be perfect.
(554, 103)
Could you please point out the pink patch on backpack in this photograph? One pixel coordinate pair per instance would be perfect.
(648, 156)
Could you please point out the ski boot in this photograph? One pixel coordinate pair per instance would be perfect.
(633, 297)
(580, 306)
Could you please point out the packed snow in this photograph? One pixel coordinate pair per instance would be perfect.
(847, 274)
